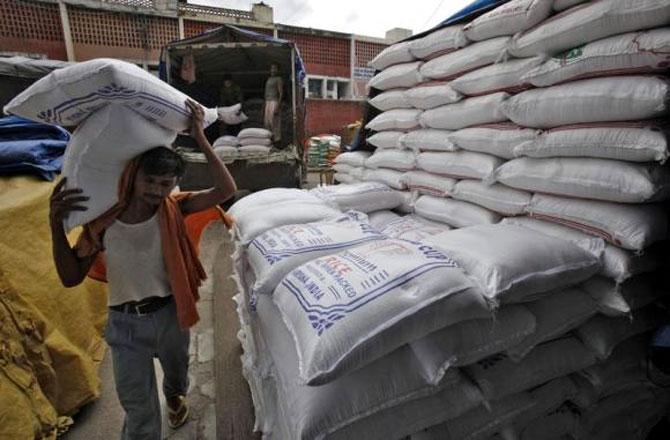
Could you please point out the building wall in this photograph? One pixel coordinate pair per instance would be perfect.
(119, 34)
(31, 27)
(327, 56)
(330, 116)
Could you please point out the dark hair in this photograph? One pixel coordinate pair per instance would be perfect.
(227, 77)
(162, 161)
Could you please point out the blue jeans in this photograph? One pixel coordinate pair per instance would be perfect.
(134, 342)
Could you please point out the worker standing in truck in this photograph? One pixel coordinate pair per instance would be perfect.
(274, 91)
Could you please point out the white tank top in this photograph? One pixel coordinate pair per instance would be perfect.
(135, 264)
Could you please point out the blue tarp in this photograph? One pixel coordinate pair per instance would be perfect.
(28, 147)
(468, 13)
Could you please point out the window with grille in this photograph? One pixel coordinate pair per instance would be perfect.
(320, 50)
(366, 51)
(105, 28)
(30, 20)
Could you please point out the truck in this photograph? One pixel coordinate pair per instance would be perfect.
(245, 56)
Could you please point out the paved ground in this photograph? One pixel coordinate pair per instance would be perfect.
(103, 418)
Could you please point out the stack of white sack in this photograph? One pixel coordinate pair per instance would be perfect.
(120, 111)
(574, 117)
(254, 140)
(226, 146)
(353, 331)
(350, 166)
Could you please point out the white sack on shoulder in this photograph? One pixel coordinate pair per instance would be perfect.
(98, 152)
(625, 98)
(69, 95)
(231, 115)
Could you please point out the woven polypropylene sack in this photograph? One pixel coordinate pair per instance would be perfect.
(340, 322)
(511, 263)
(398, 76)
(393, 159)
(398, 119)
(472, 111)
(432, 95)
(427, 139)
(589, 22)
(353, 158)
(362, 197)
(600, 179)
(632, 53)
(70, 95)
(413, 228)
(507, 77)
(629, 226)
(500, 140)
(508, 19)
(643, 141)
(496, 197)
(278, 251)
(471, 341)
(438, 42)
(395, 54)
(454, 64)
(459, 164)
(428, 183)
(391, 99)
(625, 98)
(454, 212)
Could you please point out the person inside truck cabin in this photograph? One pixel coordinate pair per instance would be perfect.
(274, 91)
(230, 94)
(153, 274)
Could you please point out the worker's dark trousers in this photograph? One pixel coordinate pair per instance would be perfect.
(135, 341)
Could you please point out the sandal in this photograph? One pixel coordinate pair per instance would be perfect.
(178, 416)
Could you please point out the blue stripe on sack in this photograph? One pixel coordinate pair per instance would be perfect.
(373, 294)
(92, 97)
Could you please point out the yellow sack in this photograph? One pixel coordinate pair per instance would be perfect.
(58, 330)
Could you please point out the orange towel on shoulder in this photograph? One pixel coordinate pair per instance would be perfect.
(185, 272)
